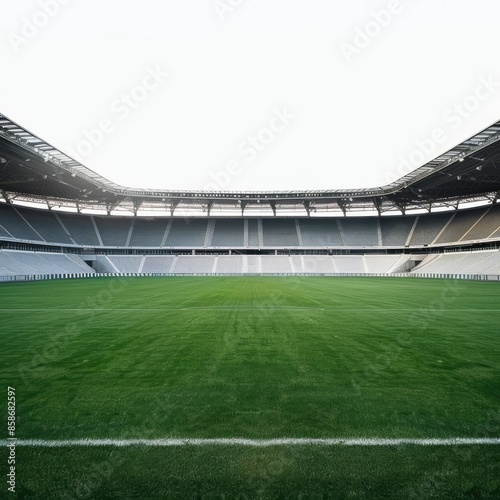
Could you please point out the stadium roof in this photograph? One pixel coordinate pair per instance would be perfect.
(34, 172)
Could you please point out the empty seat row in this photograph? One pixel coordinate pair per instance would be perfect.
(20, 223)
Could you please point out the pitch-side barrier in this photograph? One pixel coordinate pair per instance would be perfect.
(43, 277)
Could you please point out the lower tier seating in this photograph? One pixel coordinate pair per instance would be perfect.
(16, 262)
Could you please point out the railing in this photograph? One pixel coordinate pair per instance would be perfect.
(44, 277)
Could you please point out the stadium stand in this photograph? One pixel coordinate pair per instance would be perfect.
(126, 263)
(187, 233)
(4, 233)
(428, 228)
(148, 233)
(222, 235)
(62, 228)
(477, 262)
(157, 264)
(486, 226)
(461, 223)
(384, 263)
(81, 229)
(252, 264)
(364, 230)
(12, 221)
(349, 264)
(244, 264)
(47, 226)
(396, 230)
(320, 232)
(14, 262)
(275, 264)
(253, 233)
(496, 234)
(279, 233)
(361, 232)
(113, 231)
(316, 264)
(228, 233)
(194, 264)
(229, 264)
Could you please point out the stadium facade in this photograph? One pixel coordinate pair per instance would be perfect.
(58, 218)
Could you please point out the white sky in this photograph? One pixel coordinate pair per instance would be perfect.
(226, 68)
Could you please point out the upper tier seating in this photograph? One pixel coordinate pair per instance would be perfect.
(279, 233)
(81, 228)
(20, 223)
(459, 225)
(228, 233)
(148, 233)
(12, 222)
(187, 233)
(360, 232)
(428, 227)
(320, 232)
(47, 226)
(113, 231)
(395, 230)
(486, 226)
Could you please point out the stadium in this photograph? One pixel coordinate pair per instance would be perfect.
(321, 344)
(85, 225)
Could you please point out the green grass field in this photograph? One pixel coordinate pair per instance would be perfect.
(253, 357)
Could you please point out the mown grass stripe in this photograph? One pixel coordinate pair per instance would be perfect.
(254, 309)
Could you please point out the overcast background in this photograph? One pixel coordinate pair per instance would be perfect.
(251, 94)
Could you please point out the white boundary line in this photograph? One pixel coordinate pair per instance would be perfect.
(169, 442)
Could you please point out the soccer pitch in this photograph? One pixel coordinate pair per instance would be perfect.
(178, 361)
